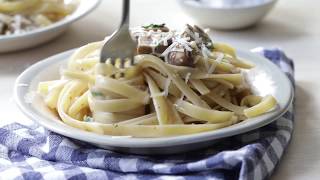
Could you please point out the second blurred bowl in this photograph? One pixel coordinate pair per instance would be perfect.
(227, 14)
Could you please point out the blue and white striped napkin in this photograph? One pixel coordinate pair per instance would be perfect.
(32, 152)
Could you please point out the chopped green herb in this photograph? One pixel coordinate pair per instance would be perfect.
(97, 94)
(87, 118)
(154, 26)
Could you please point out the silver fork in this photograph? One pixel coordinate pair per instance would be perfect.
(120, 44)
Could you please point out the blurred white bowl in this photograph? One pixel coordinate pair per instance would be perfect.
(227, 14)
(33, 38)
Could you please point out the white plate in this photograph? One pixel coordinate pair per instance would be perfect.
(33, 38)
(266, 78)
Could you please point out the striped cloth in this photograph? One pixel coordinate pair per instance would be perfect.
(32, 152)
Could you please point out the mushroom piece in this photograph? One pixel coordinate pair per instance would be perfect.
(153, 39)
(205, 37)
(143, 49)
(160, 48)
(148, 45)
(181, 58)
(188, 32)
(191, 32)
(144, 45)
(201, 32)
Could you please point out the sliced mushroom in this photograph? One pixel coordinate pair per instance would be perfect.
(190, 32)
(144, 45)
(179, 58)
(205, 37)
(160, 48)
(144, 49)
(201, 32)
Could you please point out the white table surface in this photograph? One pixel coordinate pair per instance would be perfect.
(294, 25)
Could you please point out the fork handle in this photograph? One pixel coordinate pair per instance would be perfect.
(125, 12)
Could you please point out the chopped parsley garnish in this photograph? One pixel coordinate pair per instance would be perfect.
(95, 94)
(154, 26)
(87, 118)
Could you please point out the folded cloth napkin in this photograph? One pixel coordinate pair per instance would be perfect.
(32, 152)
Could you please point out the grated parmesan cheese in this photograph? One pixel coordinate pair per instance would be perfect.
(205, 56)
(184, 42)
(213, 66)
(186, 80)
(169, 49)
(197, 38)
(187, 77)
(166, 87)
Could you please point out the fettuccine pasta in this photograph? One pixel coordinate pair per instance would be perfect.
(191, 85)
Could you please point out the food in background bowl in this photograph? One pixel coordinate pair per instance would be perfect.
(19, 16)
(180, 83)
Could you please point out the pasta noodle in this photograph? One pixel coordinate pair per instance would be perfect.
(155, 97)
